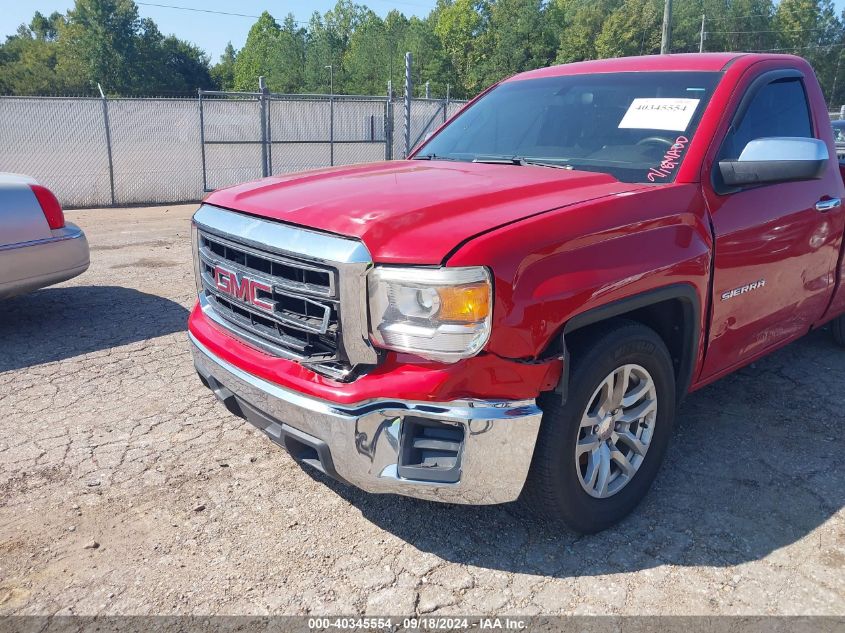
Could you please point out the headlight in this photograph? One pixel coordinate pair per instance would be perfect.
(438, 313)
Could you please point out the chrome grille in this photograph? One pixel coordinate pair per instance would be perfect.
(261, 280)
(304, 318)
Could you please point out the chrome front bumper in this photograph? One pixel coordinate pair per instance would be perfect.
(361, 443)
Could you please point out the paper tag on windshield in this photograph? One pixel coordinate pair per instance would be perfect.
(659, 114)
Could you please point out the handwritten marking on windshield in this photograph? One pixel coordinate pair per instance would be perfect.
(670, 160)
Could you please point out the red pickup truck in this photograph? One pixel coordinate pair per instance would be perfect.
(517, 310)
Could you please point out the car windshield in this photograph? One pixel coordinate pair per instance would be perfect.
(633, 126)
(839, 133)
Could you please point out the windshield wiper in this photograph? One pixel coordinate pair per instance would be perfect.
(542, 163)
(433, 157)
(498, 160)
(518, 160)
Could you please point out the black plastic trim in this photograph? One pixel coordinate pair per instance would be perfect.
(732, 61)
(413, 441)
(303, 447)
(691, 326)
(749, 173)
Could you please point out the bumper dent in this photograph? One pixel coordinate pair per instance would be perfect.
(361, 443)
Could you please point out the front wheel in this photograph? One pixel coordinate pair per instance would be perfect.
(598, 453)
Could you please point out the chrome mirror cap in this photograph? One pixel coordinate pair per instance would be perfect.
(784, 148)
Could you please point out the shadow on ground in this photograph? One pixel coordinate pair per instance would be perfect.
(754, 466)
(59, 323)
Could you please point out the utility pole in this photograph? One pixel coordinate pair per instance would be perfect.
(665, 40)
(701, 38)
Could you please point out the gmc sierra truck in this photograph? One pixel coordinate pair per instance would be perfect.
(517, 309)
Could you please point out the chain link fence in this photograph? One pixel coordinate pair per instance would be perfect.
(116, 152)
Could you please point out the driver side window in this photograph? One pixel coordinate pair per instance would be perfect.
(778, 109)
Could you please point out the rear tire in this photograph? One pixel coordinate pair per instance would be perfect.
(596, 456)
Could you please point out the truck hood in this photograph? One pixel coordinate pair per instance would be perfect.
(415, 211)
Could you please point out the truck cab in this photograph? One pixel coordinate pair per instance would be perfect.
(516, 311)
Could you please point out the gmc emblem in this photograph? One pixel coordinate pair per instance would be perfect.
(243, 288)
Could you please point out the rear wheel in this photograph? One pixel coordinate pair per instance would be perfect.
(598, 453)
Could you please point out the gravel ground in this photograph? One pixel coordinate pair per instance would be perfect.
(126, 489)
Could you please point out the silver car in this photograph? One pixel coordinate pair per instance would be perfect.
(38, 247)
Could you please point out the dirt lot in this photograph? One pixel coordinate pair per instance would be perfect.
(107, 437)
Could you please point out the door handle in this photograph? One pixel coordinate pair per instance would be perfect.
(826, 204)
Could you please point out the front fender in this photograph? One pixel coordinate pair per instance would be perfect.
(552, 267)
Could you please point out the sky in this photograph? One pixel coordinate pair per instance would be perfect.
(209, 31)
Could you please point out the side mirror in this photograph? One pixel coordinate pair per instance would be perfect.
(776, 159)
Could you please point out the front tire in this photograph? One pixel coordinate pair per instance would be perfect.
(597, 454)
(837, 327)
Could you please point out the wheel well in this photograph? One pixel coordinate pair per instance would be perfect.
(674, 318)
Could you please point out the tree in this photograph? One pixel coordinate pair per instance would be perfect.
(46, 28)
(395, 29)
(223, 72)
(458, 26)
(289, 67)
(100, 43)
(463, 44)
(582, 22)
(254, 59)
(430, 61)
(365, 61)
(320, 51)
(634, 29)
(516, 37)
(28, 64)
(180, 66)
(812, 29)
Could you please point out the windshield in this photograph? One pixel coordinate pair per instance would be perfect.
(633, 126)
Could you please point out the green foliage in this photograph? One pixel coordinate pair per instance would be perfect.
(633, 29)
(99, 41)
(223, 72)
(462, 45)
(459, 27)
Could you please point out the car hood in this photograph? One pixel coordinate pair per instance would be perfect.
(415, 211)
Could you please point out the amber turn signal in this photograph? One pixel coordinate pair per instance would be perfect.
(464, 304)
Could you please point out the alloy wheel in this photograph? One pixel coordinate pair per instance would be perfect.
(616, 430)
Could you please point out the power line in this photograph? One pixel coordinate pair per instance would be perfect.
(773, 31)
(406, 3)
(740, 17)
(173, 6)
(796, 48)
(249, 15)
(196, 10)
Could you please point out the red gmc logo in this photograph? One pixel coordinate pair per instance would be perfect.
(243, 288)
